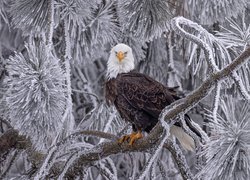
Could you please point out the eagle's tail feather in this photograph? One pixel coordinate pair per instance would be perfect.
(186, 140)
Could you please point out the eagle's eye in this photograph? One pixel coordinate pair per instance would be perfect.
(116, 52)
(125, 53)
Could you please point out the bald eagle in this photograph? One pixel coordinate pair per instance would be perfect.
(139, 99)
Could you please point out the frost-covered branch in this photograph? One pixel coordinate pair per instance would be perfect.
(11, 139)
(68, 118)
(176, 22)
(3, 175)
(50, 23)
(179, 160)
(88, 93)
(240, 85)
(216, 100)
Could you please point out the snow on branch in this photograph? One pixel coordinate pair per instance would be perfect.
(104, 170)
(176, 22)
(67, 118)
(216, 100)
(180, 160)
(243, 91)
(7, 169)
(50, 23)
(11, 139)
(68, 163)
(185, 104)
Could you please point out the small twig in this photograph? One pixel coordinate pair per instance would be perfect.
(67, 165)
(86, 85)
(68, 118)
(7, 123)
(85, 92)
(216, 100)
(10, 164)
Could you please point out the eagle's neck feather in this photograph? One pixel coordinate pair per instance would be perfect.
(115, 68)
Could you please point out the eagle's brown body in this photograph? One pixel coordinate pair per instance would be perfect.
(140, 99)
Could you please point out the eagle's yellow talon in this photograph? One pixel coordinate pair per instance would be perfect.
(132, 138)
(126, 137)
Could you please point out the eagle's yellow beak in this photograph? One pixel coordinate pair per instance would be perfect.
(120, 55)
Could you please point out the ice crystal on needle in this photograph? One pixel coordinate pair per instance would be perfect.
(36, 94)
(228, 149)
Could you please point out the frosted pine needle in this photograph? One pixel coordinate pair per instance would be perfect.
(228, 149)
(36, 94)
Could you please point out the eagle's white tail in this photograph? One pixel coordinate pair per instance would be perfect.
(186, 140)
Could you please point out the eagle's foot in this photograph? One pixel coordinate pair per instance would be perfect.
(125, 138)
(132, 137)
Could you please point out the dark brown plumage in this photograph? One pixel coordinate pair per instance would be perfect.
(140, 99)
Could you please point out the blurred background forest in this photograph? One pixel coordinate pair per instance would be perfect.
(53, 56)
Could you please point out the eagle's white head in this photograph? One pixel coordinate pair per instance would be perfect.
(121, 60)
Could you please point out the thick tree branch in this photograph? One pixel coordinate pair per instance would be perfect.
(11, 139)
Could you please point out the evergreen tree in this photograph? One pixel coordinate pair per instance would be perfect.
(54, 122)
